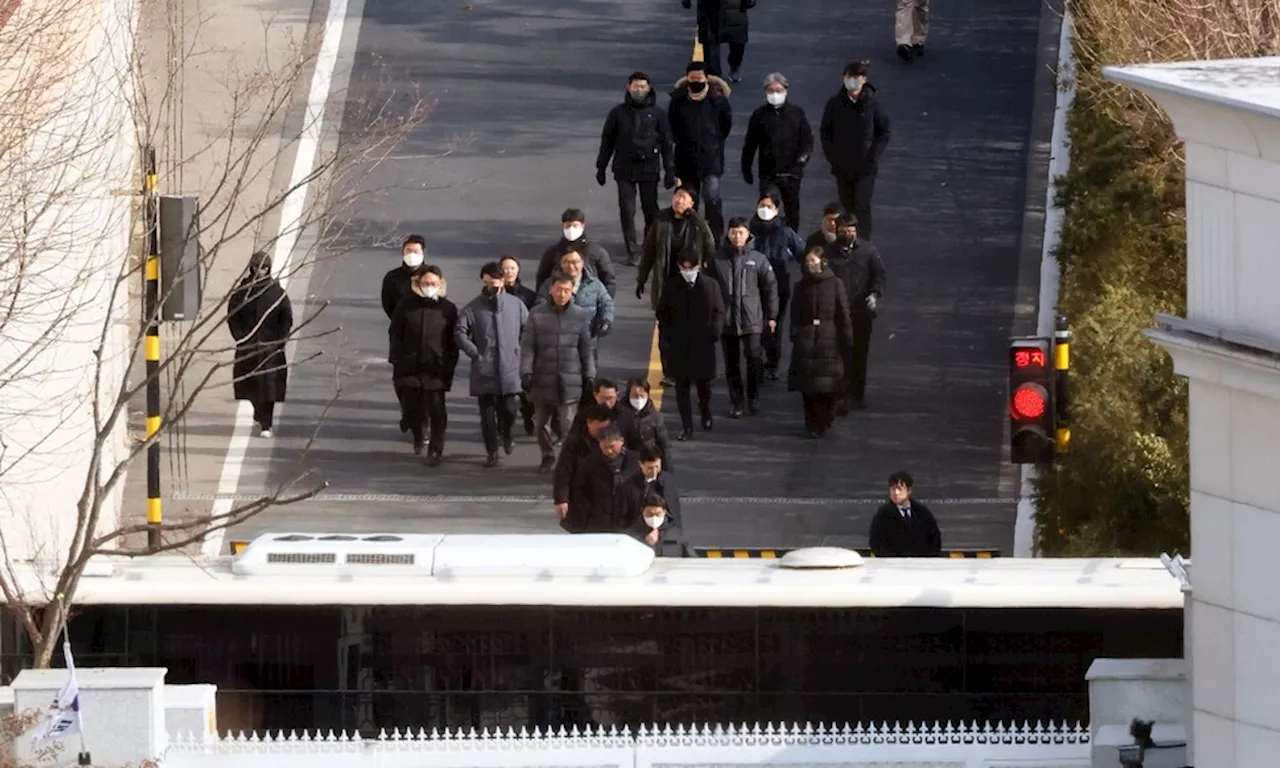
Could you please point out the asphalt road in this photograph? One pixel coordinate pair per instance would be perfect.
(520, 90)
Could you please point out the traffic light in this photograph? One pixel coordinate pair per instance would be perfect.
(1032, 409)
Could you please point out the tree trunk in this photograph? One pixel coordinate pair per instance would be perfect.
(42, 648)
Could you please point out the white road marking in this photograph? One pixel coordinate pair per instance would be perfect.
(291, 220)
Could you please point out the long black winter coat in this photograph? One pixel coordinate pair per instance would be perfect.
(861, 270)
(260, 318)
(638, 139)
(782, 137)
(821, 334)
(854, 133)
(699, 128)
(645, 428)
(523, 293)
(397, 285)
(660, 248)
(595, 260)
(749, 287)
(595, 493)
(424, 347)
(893, 535)
(723, 21)
(690, 321)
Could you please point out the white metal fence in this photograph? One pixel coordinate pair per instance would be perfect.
(884, 746)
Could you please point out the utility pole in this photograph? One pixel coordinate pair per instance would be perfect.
(151, 316)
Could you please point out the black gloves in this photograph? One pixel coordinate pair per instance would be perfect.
(600, 176)
(526, 382)
(639, 290)
(668, 181)
(588, 387)
(603, 330)
(747, 176)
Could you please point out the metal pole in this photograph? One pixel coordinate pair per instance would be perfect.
(1062, 375)
(151, 316)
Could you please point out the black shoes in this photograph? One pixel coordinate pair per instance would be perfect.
(909, 52)
(735, 76)
(753, 407)
(706, 421)
(771, 374)
(667, 381)
(917, 50)
(685, 434)
(735, 412)
(433, 459)
(418, 443)
(492, 460)
(548, 463)
(508, 443)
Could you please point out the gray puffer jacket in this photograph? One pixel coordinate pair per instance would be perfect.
(591, 296)
(749, 286)
(556, 352)
(488, 332)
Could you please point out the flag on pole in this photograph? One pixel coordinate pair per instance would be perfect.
(63, 717)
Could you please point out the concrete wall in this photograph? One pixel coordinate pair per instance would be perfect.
(65, 230)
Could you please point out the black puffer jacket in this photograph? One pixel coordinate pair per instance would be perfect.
(854, 133)
(699, 128)
(861, 269)
(722, 21)
(646, 429)
(595, 259)
(821, 334)
(638, 139)
(424, 349)
(783, 138)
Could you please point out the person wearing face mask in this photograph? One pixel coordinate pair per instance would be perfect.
(858, 265)
(573, 226)
(595, 494)
(424, 354)
(701, 119)
(488, 333)
(781, 245)
(588, 293)
(650, 506)
(821, 335)
(723, 22)
(605, 393)
(691, 319)
(855, 133)
(397, 284)
(260, 318)
(638, 137)
(644, 427)
(827, 232)
(780, 132)
(750, 291)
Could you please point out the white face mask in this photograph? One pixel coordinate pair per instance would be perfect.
(655, 521)
(431, 291)
(689, 275)
(852, 84)
(413, 259)
(638, 402)
(830, 236)
(766, 213)
(776, 99)
(572, 233)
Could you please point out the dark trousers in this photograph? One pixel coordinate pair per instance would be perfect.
(819, 412)
(526, 411)
(424, 412)
(684, 403)
(735, 348)
(772, 341)
(708, 189)
(789, 189)
(627, 211)
(497, 417)
(855, 195)
(856, 358)
(711, 53)
(264, 413)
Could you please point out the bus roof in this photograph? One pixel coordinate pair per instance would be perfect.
(691, 582)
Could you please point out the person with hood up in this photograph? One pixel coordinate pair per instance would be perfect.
(588, 293)
(821, 335)
(488, 333)
(855, 133)
(690, 323)
(780, 132)
(424, 354)
(573, 227)
(827, 232)
(643, 426)
(701, 119)
(557, 367)
(749, 288)
(637, 137)
(723, 22)
(858, 265)
(260, 318)
(782, 245)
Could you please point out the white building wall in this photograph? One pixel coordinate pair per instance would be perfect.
(1228, 113)
(65, 228)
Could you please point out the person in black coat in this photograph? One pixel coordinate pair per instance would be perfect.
(424, 354)
(855, 133)
(578, 445)
(691, 318)
(779, 131)
(827, 232)
(858, 265)
(643, 426)
(902, 526)
(594, 492)
(397, 284)
(647, 496)
(701, 119)
(723, 22)
(821, 334)
(637, 137)
(260, 318)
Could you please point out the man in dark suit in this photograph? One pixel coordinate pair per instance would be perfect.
(652, 492)
(902, 526)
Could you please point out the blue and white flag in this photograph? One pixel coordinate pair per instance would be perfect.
(63, 717)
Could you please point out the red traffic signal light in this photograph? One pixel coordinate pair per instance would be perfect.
(1031, 403)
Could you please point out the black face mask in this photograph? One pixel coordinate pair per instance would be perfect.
(697, 87)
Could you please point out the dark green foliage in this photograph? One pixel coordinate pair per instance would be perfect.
(1123, 489)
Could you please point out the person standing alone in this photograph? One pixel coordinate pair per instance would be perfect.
(855, 133)
(260, 318)
(488, 333)
(637, 137)
(701, 120)
(424, 354)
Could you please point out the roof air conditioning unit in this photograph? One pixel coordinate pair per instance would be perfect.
(338, 554)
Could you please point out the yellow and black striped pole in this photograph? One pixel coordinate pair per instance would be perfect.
(1062, 373)
(151, 316)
